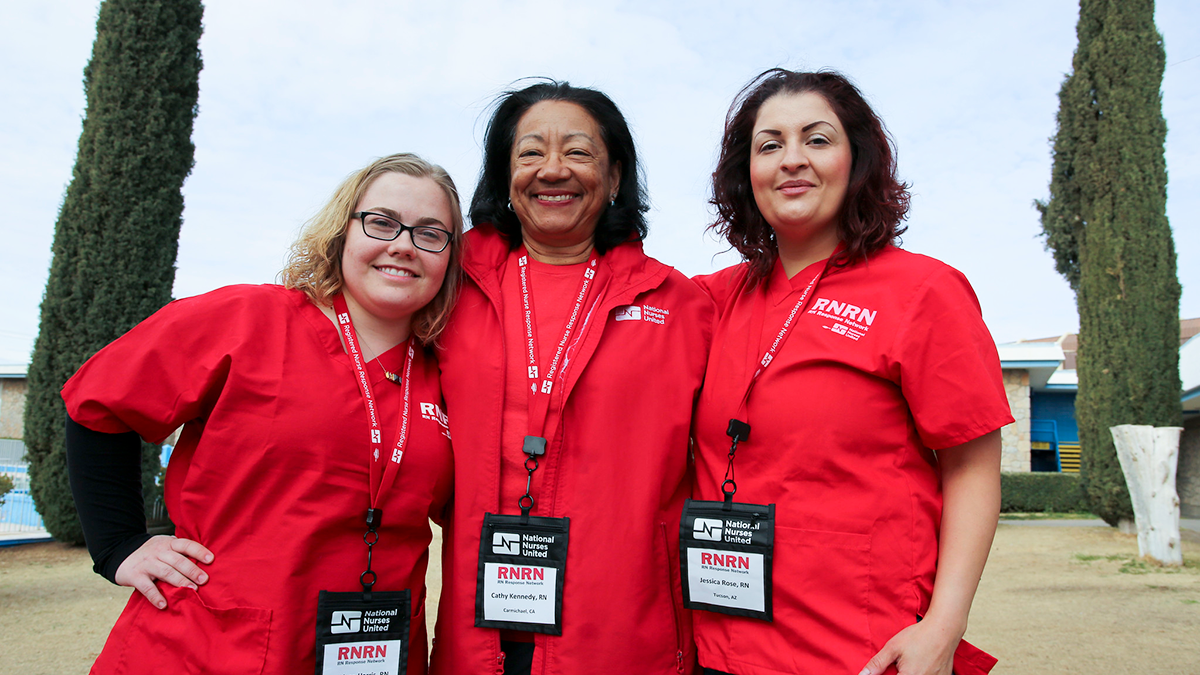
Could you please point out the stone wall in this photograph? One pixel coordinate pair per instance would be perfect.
(12, 408)
(1187, 477)
(1015, 436)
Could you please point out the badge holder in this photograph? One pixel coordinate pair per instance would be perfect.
(365, 632)
(522, 564)
(726, 549)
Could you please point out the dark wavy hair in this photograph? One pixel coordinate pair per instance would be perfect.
(620, 222)
(875, 203)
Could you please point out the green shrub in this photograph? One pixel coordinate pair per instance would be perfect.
(1038, 492)
(6, 485)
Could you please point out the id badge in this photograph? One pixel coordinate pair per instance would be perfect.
(726, 556)
(521, 572)
(356, 636)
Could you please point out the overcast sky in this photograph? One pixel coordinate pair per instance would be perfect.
(295, 95)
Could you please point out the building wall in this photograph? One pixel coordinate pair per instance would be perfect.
(12, 408)
(1060, 407)
(1187, 476)
(1015, 436)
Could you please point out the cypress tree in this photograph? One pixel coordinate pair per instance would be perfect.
(1106, 224)
(117, 233)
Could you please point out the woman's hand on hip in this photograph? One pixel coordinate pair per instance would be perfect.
(164, 558)
(923, 648)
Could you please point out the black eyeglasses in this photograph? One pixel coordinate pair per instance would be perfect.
(424, 237)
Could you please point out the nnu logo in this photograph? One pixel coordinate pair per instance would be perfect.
(343, 318)
(644, 313)
(345, 622)
(506, 543)
(629, 313)
(708, 529)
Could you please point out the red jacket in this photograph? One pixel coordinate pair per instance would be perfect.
(617, 465)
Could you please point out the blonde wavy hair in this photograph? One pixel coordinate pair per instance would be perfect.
(314, 263)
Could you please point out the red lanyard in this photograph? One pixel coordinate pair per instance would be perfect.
(784, 332)
(539, 392)
(739, 430)
(379, 484)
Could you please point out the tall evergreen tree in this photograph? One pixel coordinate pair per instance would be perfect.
(117, 233)
(1106, 224)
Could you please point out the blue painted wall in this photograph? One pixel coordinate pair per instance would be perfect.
(1058, 406)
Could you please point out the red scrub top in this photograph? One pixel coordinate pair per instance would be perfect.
(270, 473)
(889, 362)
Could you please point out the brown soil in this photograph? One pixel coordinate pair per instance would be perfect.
(1053, 600)
(1059, 600)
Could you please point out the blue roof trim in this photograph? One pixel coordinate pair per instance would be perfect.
(1061, 387)
(1030, 364)
(1189, 395)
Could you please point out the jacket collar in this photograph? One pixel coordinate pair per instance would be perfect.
(628, 267)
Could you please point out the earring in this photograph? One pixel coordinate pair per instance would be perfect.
(510, 205)
(612, 201)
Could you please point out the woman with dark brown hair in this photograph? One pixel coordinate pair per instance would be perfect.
(847, 437)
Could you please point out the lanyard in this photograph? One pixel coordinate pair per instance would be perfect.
(739, 430)
(381, 476)
(784, 333)
(541, 383)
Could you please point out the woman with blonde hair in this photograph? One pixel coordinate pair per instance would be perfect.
(313, 452)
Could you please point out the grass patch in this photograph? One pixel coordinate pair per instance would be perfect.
(1085, 557)
(1131, 564)
(1048, 515)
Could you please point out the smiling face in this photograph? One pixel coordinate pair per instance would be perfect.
(800, 161)
(561, 177)
(386, 281)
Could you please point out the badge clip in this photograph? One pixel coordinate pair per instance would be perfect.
(536, 446)
(738, 431)
(368, 578)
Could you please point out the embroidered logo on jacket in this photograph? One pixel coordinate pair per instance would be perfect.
(849, 320)
(646, 313)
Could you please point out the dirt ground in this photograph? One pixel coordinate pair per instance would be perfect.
(1053, 600)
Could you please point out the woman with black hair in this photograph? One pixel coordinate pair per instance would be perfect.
(850, 413)
(570, 367)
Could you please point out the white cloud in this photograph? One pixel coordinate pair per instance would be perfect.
(295, 95)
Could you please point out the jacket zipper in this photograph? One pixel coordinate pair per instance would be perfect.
(674, 608)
